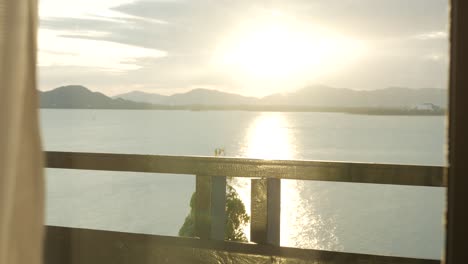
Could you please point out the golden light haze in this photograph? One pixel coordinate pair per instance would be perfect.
(279, 49)
(248, 47)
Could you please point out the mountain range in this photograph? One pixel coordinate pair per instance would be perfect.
(318, 96)
(193, 97)
(76, 96)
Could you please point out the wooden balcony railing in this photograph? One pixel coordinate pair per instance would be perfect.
(68, 245)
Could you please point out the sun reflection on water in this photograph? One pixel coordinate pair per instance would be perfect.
(270, 137)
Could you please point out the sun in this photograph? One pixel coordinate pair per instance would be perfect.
(276, 49)
(270, 51)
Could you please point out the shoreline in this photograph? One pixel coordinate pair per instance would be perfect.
(298, 109)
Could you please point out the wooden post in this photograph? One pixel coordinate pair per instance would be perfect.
(265, 211)
(457, 211)
(210, 207)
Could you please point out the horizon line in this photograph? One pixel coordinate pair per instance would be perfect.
(247, 96)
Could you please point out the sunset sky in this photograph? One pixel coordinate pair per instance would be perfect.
(248, 47)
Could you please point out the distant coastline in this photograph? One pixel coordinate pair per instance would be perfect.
(252, 108)
(389, 101)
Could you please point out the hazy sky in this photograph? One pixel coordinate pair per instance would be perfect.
(243, 46)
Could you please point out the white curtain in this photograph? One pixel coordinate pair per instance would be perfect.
(21, 173)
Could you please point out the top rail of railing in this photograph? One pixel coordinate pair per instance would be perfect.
(398, 174)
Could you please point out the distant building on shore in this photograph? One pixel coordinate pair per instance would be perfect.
(427, 107)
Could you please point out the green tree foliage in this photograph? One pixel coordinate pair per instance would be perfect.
(236, 215)
(188, 228)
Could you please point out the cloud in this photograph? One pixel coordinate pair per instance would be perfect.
(192, 25)
(433, 35)
(169, 44)
(80, 9)
(56, 50)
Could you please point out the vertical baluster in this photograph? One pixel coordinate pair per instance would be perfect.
(218, 208)
(210, 204)
(265, 211)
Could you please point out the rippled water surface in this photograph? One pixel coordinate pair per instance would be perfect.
(366, 218)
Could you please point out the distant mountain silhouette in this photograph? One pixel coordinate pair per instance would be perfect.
(317, 96)
(193, 97)
(324, 96)
(209, 97)
(77, 96)
(143, 97)
(313, 98)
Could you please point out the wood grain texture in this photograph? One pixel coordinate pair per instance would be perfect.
(105, 247)
(252, 168)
